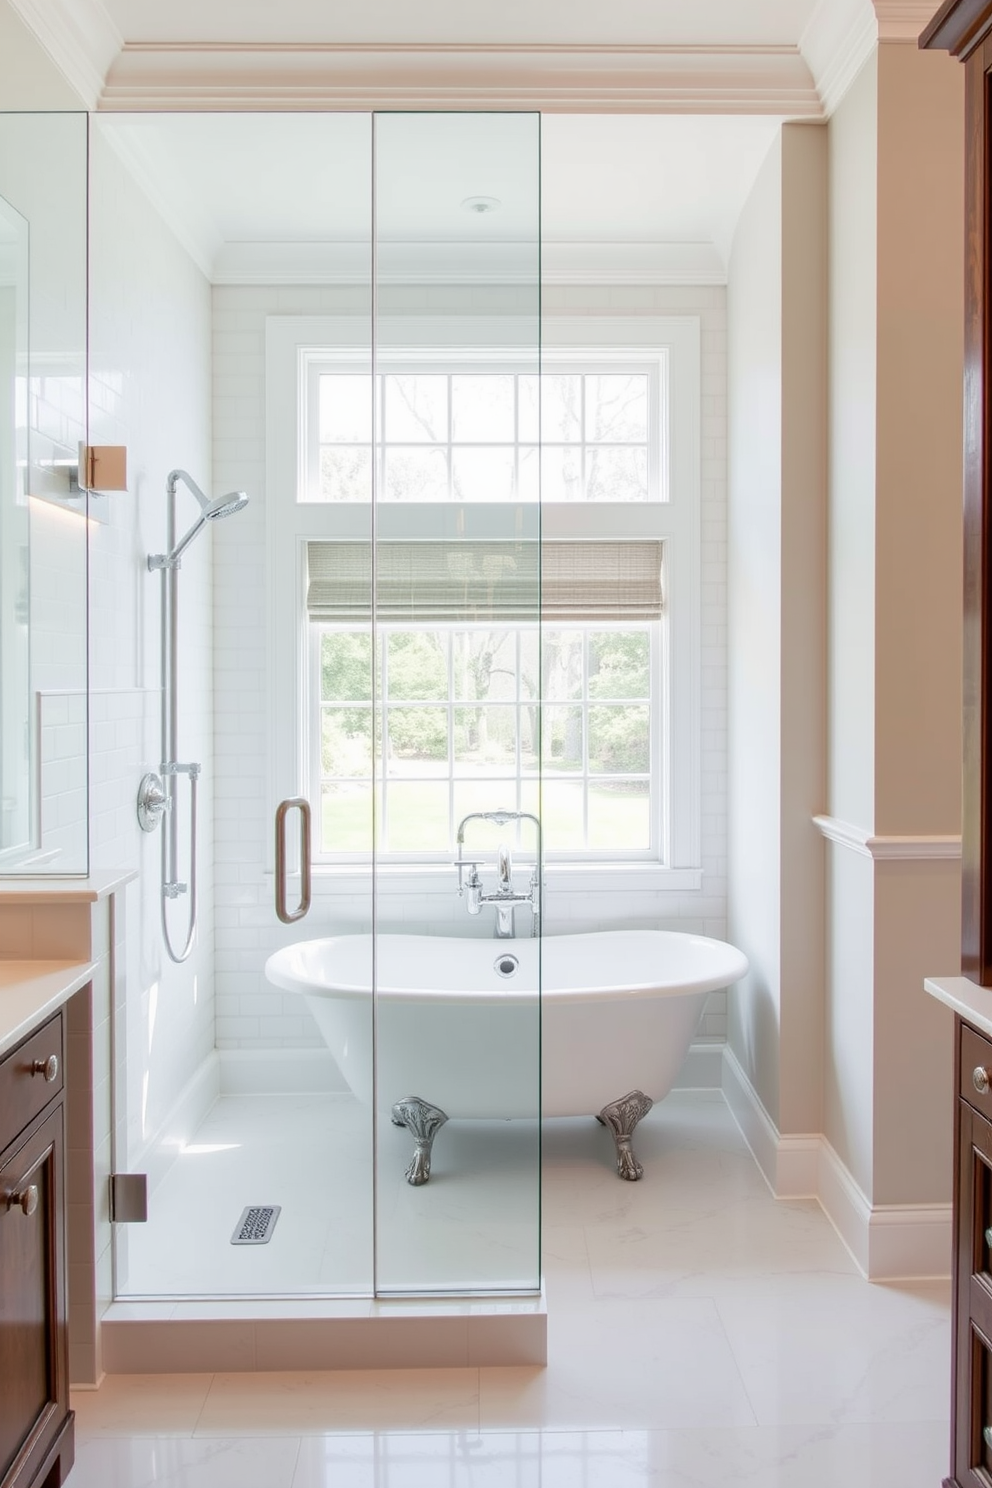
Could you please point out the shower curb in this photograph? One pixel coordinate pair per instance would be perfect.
(237, 1337)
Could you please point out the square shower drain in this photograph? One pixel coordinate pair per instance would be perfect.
(256, 1225)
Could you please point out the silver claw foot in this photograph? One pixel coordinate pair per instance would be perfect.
(424, 1121)
(621, 1116)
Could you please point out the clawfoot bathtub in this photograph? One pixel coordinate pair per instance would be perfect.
(563, 1026)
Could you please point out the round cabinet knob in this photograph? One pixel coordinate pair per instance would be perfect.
(980, 1079)
(26, 1200)
(48, 1067)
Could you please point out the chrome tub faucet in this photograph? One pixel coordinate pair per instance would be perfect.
(505, 899)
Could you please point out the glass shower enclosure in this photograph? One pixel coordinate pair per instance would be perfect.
(374, 1126)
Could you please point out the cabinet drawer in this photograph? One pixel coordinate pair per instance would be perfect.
(31, 1075)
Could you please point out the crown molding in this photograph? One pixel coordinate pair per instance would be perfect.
(80, 38)
(836, 43)
(465, 263)
(888, 848)
(902, 20)
(615, 79)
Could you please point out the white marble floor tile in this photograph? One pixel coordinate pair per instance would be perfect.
(341, 1400)
(626, 1365)
(695, 1248)
(876, 1456)
(141, 1405)
(701, 1335)
(834, 1348)
(178, 1462)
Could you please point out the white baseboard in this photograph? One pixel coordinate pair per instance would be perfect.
(910, 1240)
(888, 1242)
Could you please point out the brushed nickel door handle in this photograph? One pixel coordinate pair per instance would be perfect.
(301, 804)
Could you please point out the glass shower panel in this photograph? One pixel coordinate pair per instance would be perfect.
(44, 514)
(265, 1188)
(457, 657)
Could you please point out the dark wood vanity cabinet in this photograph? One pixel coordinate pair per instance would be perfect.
(972, 1425)
(36, 1431)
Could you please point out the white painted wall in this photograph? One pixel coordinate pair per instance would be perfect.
(250, 1012)
(150, 390)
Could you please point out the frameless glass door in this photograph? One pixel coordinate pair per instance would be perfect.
(456, 641)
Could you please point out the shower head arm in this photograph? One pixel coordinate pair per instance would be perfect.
(175, 476)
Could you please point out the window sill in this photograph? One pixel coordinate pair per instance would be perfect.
(440, 878)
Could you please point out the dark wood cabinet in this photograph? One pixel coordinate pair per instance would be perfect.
(972, 1319)
(36, 1425)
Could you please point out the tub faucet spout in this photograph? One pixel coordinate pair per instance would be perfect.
(505, 897)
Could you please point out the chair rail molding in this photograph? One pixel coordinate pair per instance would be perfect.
(888, 848)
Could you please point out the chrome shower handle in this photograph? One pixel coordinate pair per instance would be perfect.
(282, 811)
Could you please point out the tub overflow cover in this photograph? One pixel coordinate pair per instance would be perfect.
(506, 965)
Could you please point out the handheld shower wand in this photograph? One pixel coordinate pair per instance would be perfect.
(158, 796)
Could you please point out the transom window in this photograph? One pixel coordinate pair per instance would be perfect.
(484, 436)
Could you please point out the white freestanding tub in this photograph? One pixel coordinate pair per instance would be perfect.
(578, 1024)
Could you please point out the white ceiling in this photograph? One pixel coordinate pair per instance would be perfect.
(288, 196)
(673, 22)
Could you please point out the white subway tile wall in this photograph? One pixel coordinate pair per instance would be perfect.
(149, 390)
(250, 1013)
(62, 776)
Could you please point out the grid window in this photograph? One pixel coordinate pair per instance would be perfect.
(471, 718)
(474, 436)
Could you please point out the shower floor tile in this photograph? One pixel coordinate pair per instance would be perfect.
(474, 1226)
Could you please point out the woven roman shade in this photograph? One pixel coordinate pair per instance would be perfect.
(430, 583)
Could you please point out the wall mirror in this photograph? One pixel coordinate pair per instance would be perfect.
(15, 652)
(44, 516)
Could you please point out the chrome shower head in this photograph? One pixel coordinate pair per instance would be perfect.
(221, 506)
(225, 506)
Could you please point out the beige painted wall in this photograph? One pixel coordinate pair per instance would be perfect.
(918, 602)
(851, 618)
(803, 603)
(777, 370)
(29, 78)
(754, 399)
(849, 1032)
(894, 696)
(920, 301)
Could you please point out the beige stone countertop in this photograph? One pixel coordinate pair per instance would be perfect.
(52, 890)
(964, 997)
(30, 991)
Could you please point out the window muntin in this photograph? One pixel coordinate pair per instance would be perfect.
(472, 435)
(458, 727)
(451, 342)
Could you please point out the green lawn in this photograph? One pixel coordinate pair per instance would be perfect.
(618, 817)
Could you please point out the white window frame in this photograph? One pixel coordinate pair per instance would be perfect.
(589, 341)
